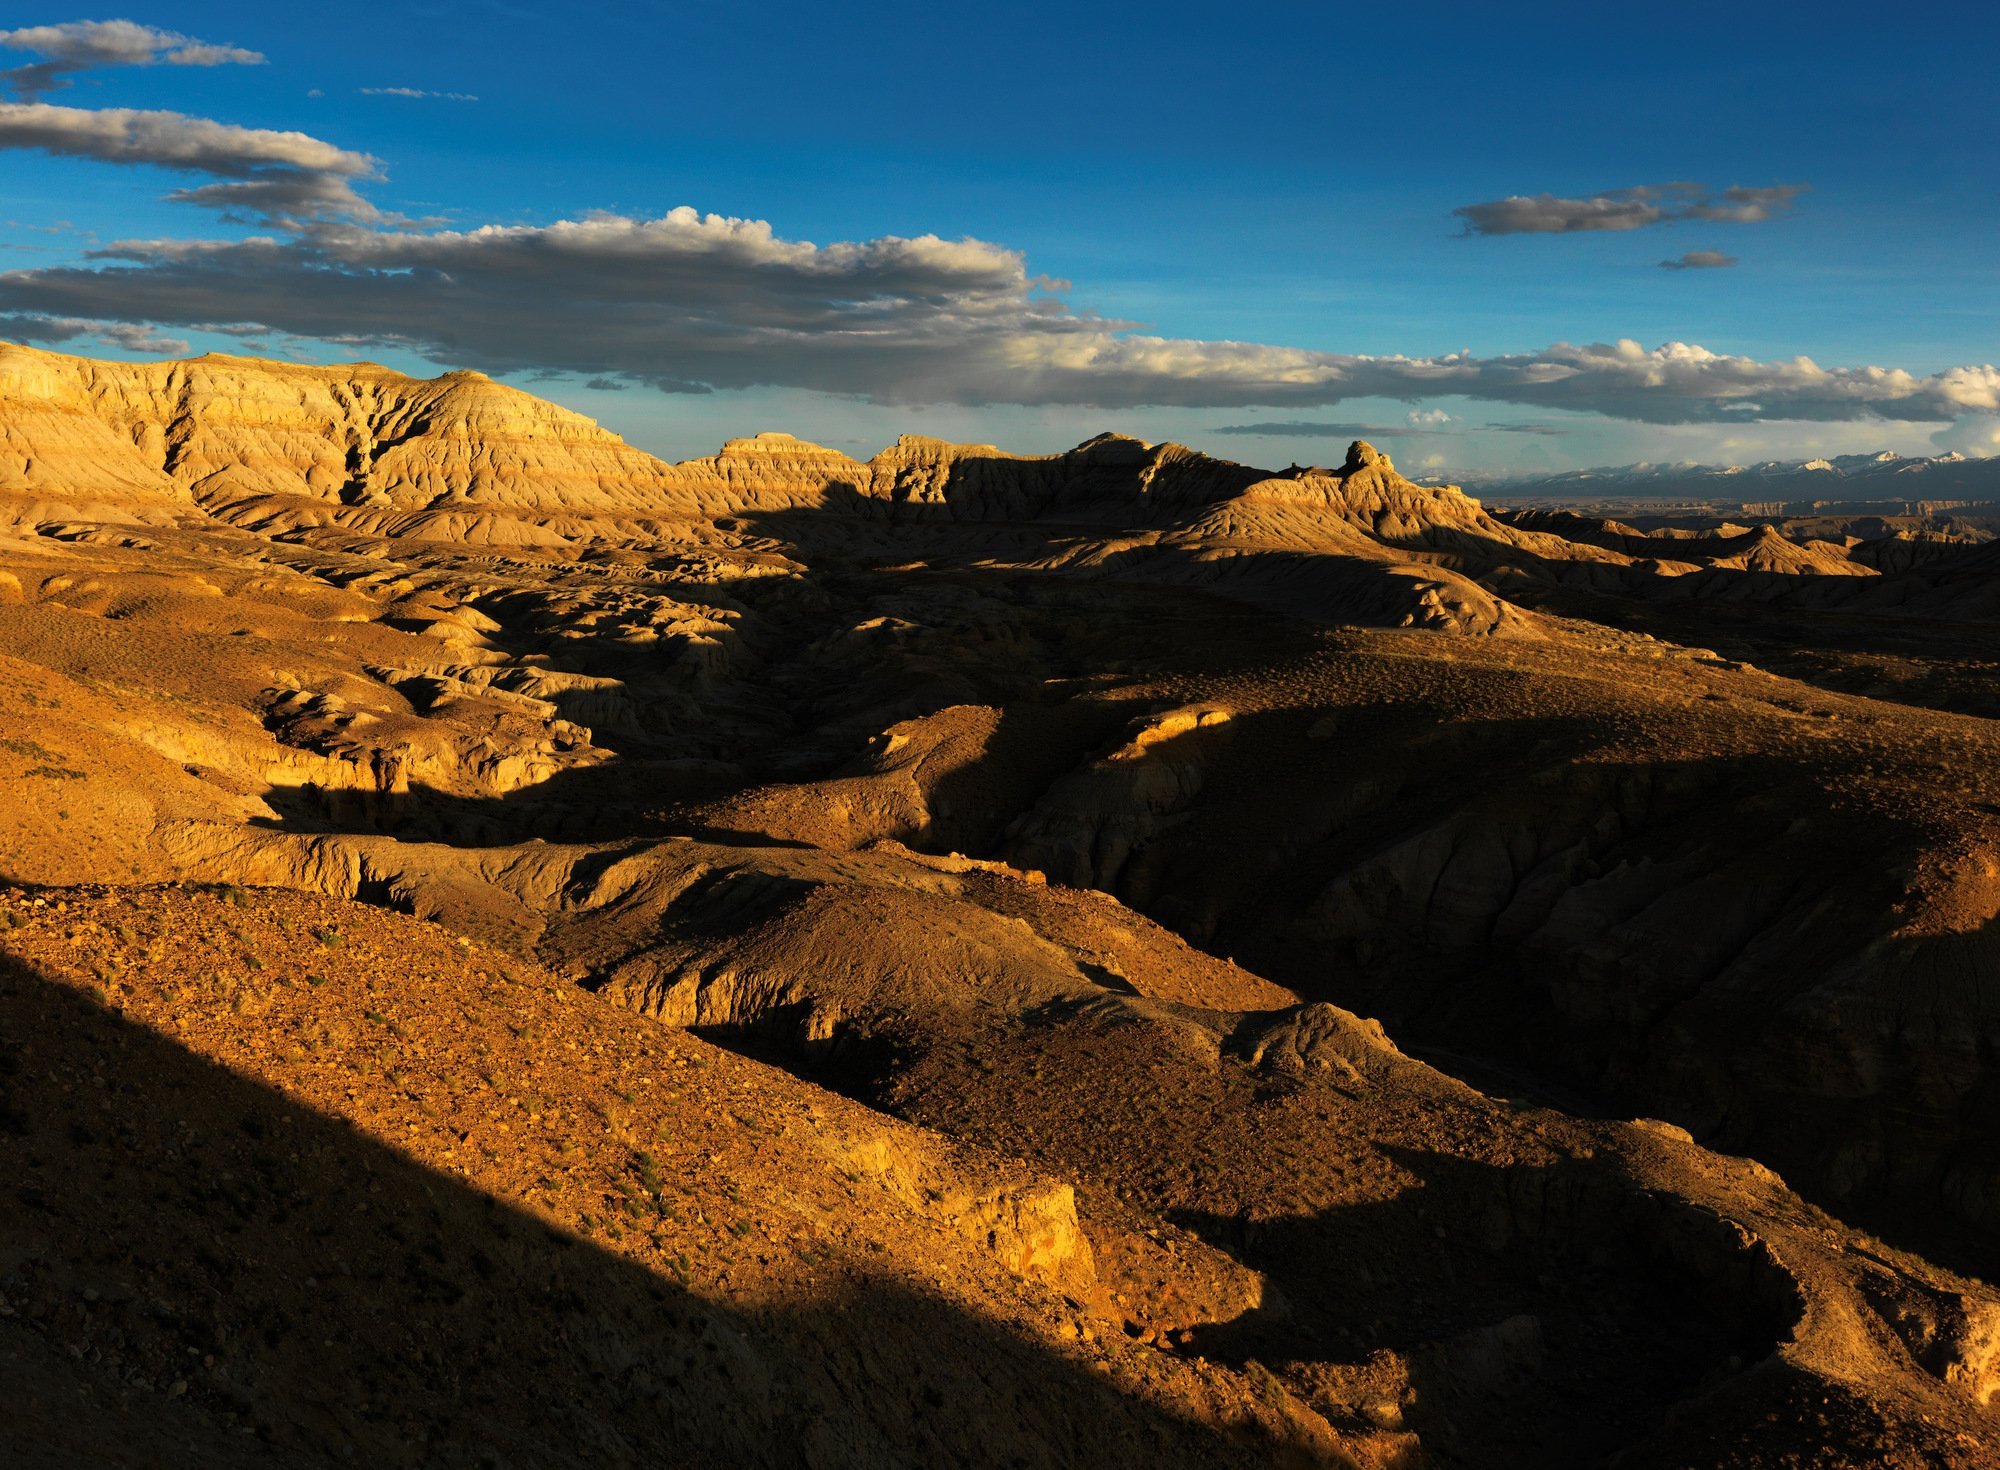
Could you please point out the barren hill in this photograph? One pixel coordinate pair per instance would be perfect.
(954, 956)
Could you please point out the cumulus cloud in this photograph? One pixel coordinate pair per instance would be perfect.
(262, 174)
(694, 302)
(691, 302)
(684, 301)
(1976, 434)
(1676, 382)
(1700, 260)
(80, 45)
(1625, 209)
(417, 92)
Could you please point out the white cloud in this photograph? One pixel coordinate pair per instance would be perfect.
(80, 45)
(693, 302)
(1625, 209)
(416, 92)
(171, 140)
(1976, 434)
(267, 174)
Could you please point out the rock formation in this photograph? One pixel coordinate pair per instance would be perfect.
(953, 956)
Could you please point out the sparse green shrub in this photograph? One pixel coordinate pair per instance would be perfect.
(648, 1169)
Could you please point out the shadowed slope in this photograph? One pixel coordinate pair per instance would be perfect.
(311, 1183)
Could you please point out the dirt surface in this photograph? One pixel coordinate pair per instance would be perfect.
(520, 954)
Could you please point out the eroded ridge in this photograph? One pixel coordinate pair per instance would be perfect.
(947, 957)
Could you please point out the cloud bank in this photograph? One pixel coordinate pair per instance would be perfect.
(1428, 423)
(1625, 209)
(691, 302)
(80, 45)
(274, 177)
(132, 336)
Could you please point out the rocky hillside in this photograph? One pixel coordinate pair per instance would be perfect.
(956, 956)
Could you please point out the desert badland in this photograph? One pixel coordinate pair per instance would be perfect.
(520, 953)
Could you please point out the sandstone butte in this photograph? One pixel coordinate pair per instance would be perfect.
(516, 953)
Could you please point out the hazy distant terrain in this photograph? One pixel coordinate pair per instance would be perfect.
(1884, 483)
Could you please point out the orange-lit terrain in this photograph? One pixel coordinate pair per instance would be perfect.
(516, 953)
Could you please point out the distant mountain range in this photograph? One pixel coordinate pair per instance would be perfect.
(1843, 479)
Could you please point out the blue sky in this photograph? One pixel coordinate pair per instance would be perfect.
(1280, 176)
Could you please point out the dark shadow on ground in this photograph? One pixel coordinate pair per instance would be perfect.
(198, 1272)
(1549, 1316)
